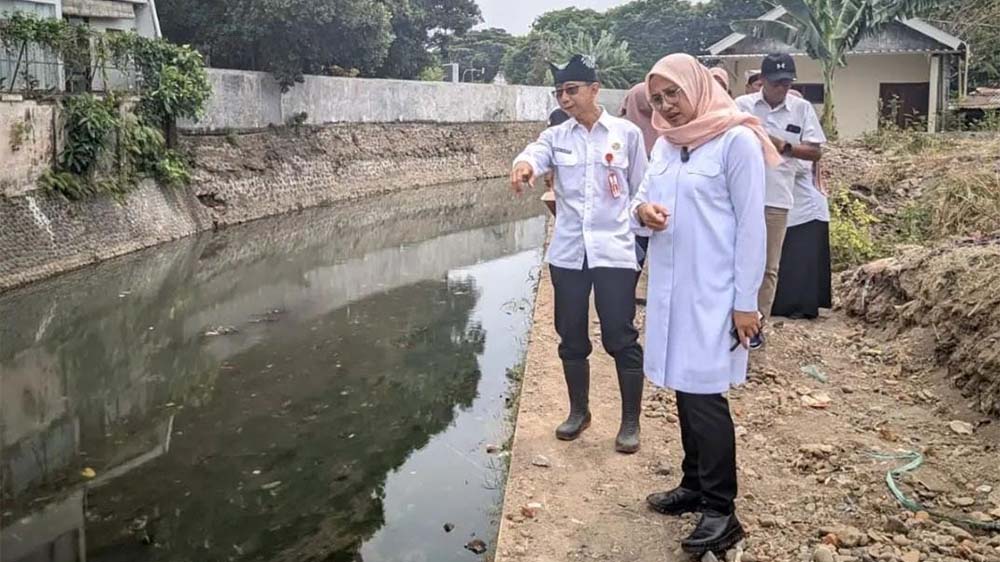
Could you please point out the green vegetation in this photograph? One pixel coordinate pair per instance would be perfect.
(113, 139)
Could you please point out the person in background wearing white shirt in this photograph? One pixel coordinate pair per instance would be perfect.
(703, 197)
(549, 197)
(804, 276)
(795, 131)
(599, 161)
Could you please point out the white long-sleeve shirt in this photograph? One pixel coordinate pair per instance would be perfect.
(810, 204)
(590, 221)
(708, 262)
(794, 121)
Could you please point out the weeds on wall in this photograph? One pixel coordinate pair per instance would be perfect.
(112, 139)
(19, 133)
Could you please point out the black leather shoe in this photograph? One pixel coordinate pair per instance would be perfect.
(578, 384)
(715, 533)
(675, 502)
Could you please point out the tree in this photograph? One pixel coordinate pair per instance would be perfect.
(484, 48)
(571, 22)
(827, 30)
(654, 28)
(419, 26)
(525, 63)
(290, 38)
(974, 21)
(614, 63)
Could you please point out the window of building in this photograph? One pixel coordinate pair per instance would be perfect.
(811, 92)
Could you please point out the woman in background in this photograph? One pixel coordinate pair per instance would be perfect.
(804, 274)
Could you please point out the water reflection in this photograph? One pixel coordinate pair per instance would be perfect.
(359, 350)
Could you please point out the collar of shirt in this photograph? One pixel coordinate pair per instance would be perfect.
(602, 120)
(759, 99)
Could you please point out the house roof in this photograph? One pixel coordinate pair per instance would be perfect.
(982, 98)
(902, 36)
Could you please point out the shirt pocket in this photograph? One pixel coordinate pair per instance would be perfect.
(706, 180)
(658, 167)
(565, 159)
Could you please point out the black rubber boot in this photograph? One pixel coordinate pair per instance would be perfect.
(675, 502)
(577, 373)
(716, 532)
(630, 383)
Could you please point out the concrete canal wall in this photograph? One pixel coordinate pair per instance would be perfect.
(360, 138)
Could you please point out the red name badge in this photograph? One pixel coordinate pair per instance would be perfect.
(616, 189)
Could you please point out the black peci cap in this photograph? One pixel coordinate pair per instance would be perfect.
(580, 68)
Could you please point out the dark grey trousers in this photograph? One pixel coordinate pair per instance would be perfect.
(614, 297)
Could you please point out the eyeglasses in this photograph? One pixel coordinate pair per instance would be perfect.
(570, 90)
(670, 95)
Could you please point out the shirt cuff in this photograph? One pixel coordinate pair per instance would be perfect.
(745, 302)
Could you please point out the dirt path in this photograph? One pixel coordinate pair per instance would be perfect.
(804, 453)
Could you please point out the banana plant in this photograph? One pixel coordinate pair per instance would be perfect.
(827, 30)
(612, 57)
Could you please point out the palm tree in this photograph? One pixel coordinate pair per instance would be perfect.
(827, 29)
(613, 58)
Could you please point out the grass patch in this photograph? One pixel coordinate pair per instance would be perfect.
(965, 202)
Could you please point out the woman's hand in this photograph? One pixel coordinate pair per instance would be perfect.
(747, 325)
(653, 215)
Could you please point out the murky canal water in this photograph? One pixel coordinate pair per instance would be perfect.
(315, 387)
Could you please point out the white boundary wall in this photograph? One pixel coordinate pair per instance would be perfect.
(253, 100)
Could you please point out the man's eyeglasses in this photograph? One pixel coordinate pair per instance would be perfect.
(571, 90)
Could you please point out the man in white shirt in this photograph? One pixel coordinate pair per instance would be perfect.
(797, 134)
(599, 161)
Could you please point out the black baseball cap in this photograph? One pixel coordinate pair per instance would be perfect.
(777, 67)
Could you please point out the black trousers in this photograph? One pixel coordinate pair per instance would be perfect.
(641, 249)
(614, 297)
(709, 441)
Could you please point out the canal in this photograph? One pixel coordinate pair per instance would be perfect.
(324, 386)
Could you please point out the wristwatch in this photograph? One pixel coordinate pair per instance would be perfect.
(786, 149)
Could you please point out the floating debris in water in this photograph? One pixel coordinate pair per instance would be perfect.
(88, 472)
(269, 316)
(271, 485)
(477, 546)
(220, 331)
(449, 527)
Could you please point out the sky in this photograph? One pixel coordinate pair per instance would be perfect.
(516, 15)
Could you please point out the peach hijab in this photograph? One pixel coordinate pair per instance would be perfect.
(720, 73)
(715, 111)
